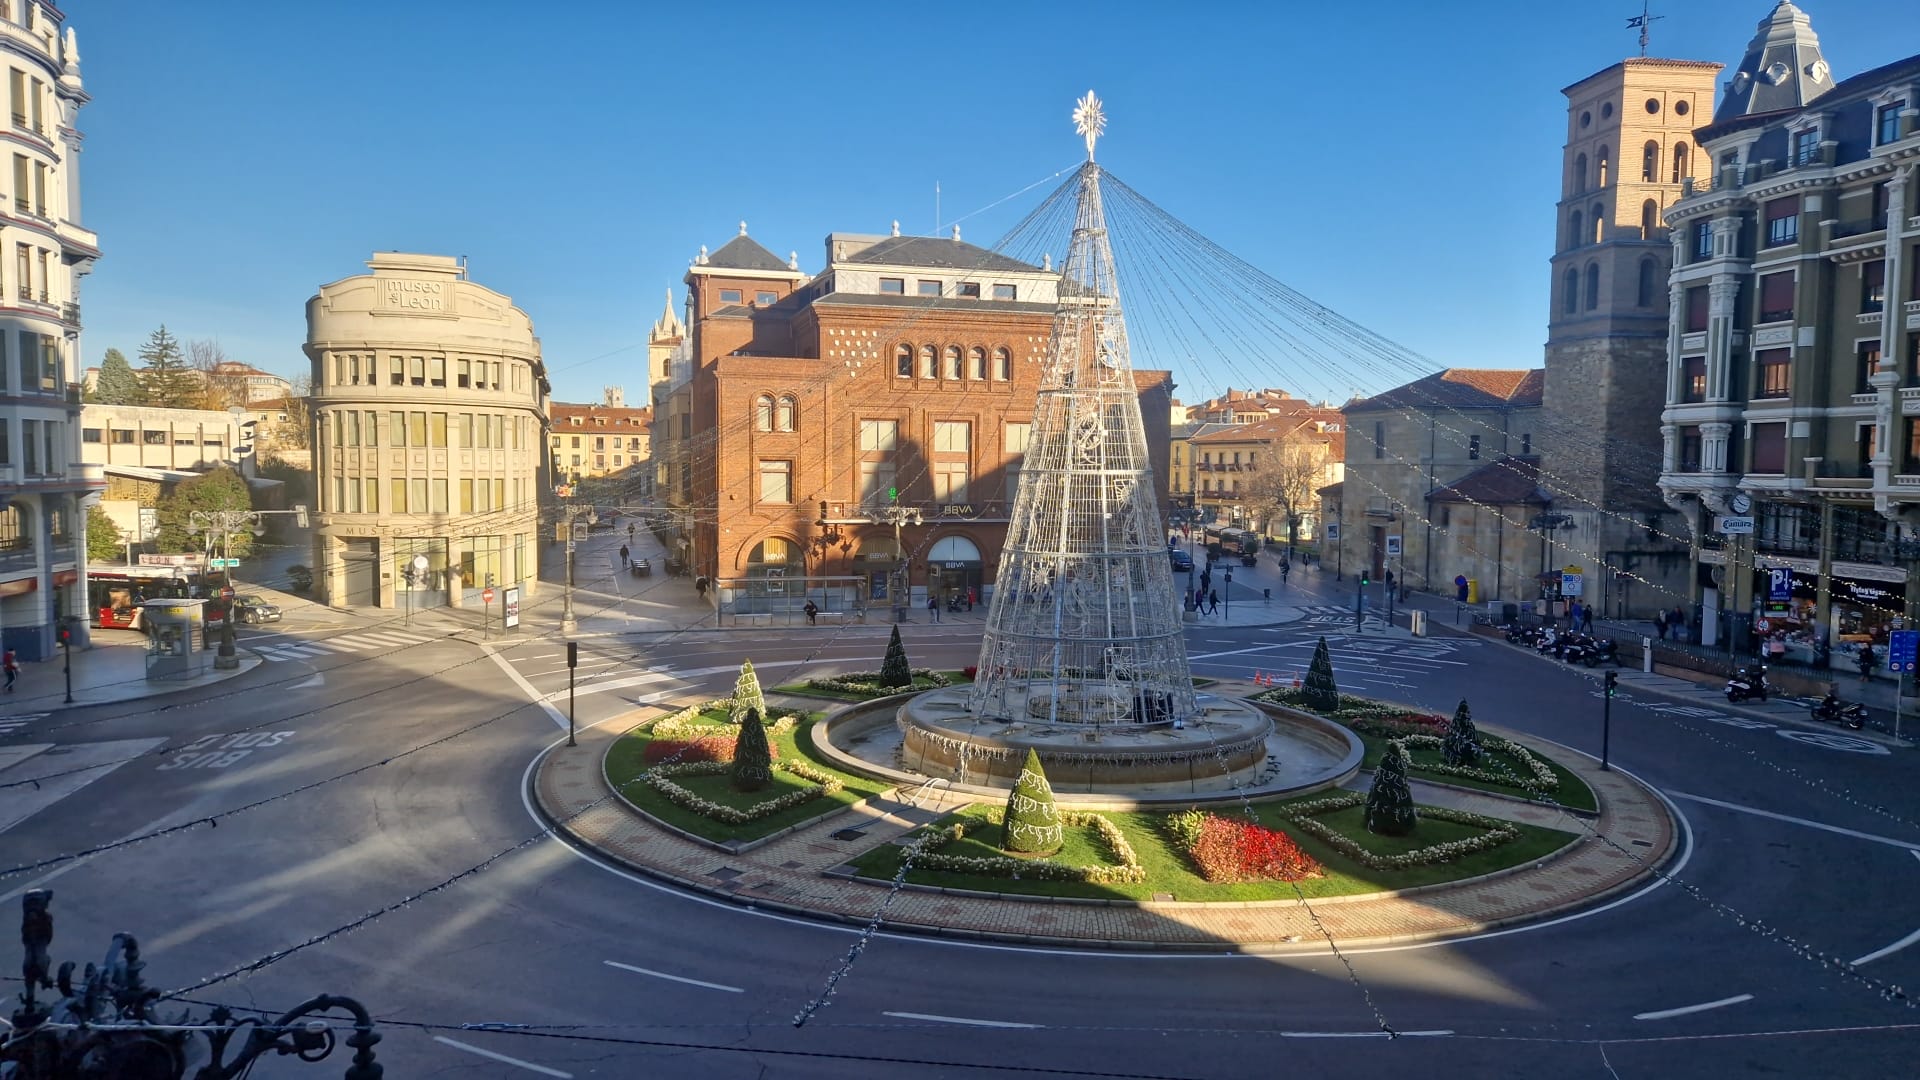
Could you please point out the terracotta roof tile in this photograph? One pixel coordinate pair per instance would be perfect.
(1462, 388)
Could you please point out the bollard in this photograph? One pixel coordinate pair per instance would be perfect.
(1646, 655)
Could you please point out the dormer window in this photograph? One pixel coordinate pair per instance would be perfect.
(928, 288)
(969, 290)
(893, 286)
(1887, 123)
(1005, 292)
(1806, 147)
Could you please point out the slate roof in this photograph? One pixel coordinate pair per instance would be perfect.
(1506, 482)
(745, 253)
(937, 253)
(1461, 388)
(932, 303)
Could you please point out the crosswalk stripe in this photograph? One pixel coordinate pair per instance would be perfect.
(342, 644)
(392, 638)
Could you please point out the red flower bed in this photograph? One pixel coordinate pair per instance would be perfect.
(1402, 724)
(683, 752)
(1230, 850)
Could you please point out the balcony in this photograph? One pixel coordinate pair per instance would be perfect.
(70, 313)
(17, 555)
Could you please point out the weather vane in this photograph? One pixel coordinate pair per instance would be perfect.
(1089, 120)
(1645, 22)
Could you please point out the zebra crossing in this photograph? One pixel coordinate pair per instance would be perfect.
(1333, 616)
(362, 641)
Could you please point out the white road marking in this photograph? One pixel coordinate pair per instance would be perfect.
(1664, 1014)
(1359, 1034)
(504, 1059)
(526, 687)
(1856, 834)
(673, 978)
(55, 778)
(1828, 740)
(1893, 948)
(961, 1020)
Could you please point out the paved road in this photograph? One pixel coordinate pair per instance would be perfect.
(543, 936)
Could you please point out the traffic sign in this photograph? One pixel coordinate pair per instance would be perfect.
(486, 596)
(1393, 544)
(1903, 648)
(1572, 580)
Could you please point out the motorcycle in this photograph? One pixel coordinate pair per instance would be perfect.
(1748, 682)
(1832, 710)
(1602, 651)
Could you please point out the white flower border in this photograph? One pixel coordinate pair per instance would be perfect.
(924, 853)
(868, 682)
(1544, 781)
(661, 779)
(1498, 832)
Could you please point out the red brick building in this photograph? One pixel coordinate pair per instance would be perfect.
(901, 378)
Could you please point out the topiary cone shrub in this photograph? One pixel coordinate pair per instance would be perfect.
(752, 759)
(1031, 825)
(1319, 692)
(1461, 746)
(1390, 809)
(746, 695)
(894, 670)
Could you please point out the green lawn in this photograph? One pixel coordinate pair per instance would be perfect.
(801, 689)
(625, 762)
(1169, 871)
(1573, 792)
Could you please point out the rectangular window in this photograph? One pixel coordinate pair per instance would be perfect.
(122, 437)
(1776, 297)
(950, 481)
(463, 374)
(1693, 378)
(397, 495)
(22, 183)
(1887, 121)
(439, 504)
(1783, 221)
(952, 438)
(1379, 439)
(1806, 147)
(729, 296)
(600, 442)
(466, 429)
(1873, 286)
(882, 436)
(419, 370)
(397, 429)
(153, 438)
(1016, 439)
(466, 495)
(36, 101)
(30, 446)
(1703, 239)
(1776, 372)
(1473, 448)
(417, 495)
(1689, 450)
(1770, 448)
(1869, 438)
(1882, 199)
(893, 286)
(370, 490)
(92, 435)
(1913, 358)
(876, 482)
(350, 421)
(765, 298)
(969, 290)
(776, 481)
(1698, 305)
(17, 83)
(928, 288)
(500, 493)
(1005, 292)
(416, 429)
(397, 368)
(1912, 462)
(437, 371)
(40, 188)
(1526, 443)
(439, 422)
(1869, 352)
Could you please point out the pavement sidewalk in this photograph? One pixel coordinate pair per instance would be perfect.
(803, 872)
(113, 669)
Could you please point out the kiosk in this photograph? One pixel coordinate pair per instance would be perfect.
(175, 635)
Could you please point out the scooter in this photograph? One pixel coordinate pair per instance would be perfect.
(1832, 710)
(1748, 682)
(1602, 651)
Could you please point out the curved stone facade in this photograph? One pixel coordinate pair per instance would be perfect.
(429, 408)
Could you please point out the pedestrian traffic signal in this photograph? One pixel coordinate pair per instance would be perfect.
(1363, 579)
(65, 636)
(1613, 679)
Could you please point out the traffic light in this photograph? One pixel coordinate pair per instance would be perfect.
(893, 494)
(1364, 582)
(1613, 679)
(65, 637)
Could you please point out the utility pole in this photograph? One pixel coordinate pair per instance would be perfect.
(1606, 717)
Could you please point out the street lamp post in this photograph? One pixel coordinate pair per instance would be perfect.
(897, 516)
(1546, 522)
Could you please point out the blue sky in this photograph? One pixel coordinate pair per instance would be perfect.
(241, 154)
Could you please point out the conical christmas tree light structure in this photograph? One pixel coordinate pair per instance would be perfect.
(1084, 626)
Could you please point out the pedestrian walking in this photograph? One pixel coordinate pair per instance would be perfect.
(1213, 601)
(1660, 625)
(813, 613)
(1285, 569)
(933, 606)
(973, 594)
(1866, 665)
(1574, 611)
(12, 664)
(623, 555)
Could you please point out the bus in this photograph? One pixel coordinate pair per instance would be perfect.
(114, 593)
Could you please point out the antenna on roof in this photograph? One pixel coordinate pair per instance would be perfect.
(1645, 22)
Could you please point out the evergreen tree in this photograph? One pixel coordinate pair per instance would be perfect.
(1390, 809)
(1031, 825)
(752, 760)
(117, 384)
(105, 542)
(1462, 743)
(168, 382)
(894, 670)
(221, 489)
(1319, 690)
(746, 695)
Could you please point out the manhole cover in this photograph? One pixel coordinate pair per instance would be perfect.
(848, 834)
(725, 873)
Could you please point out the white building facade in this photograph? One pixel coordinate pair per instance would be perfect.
(44, 486)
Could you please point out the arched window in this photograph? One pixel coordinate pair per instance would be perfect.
(1575, 234)
(763, 412)
(1650, 162)
(1579, 174)
(953, 361)
(929, 362)
(1599, 223)
(1600, 165)
(1570, 292)
(1679, 162)
(1593, 286)
(976, 363)
(1648, 268)
(784, 413)
(1649, 219)
(772, 557)
(1003, 364)
(903, 361)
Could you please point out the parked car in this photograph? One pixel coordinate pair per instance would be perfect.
(251, 609)
(642, 568)
(1181, 560)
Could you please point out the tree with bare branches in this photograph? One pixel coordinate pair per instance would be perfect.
(1285, 478)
